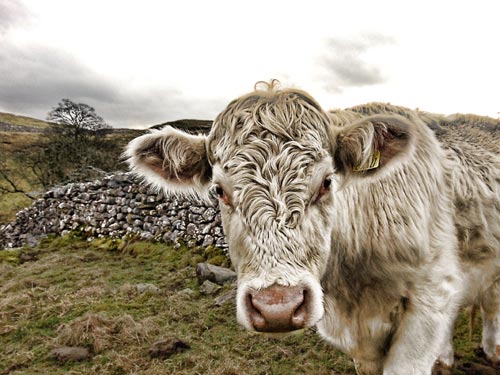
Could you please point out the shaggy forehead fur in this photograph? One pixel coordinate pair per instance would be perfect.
(268, 143)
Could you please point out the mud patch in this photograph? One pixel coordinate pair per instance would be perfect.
(165, 347)
(481, 365)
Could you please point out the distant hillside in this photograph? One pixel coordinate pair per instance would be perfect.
(11, 122)
(192, 126)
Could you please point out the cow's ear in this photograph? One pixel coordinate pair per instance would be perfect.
(372, 145)
(171, 159)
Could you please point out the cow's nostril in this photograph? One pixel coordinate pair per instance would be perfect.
(278, 308)
(257, 319)
(299, 318)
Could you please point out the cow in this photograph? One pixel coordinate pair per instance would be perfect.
(375, 224)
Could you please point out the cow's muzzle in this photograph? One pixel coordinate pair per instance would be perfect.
(278, 308)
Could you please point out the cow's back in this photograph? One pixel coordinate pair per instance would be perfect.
(473, 149)
(475, 132)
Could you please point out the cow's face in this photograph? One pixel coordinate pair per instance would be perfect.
(275, 162)
(273, 172)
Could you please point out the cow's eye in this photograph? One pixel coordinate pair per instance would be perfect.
(221, 194)
(219, 191)
(326, 186)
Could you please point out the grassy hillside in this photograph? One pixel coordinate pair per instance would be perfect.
(70, 291)
(10, 144)
(18, 145)
(12, 119)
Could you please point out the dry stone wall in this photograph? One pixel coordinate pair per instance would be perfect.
(116, 206)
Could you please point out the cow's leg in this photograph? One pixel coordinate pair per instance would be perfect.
(368, 368)
(426, 323)
(416, 346)
(490, 312)
(446, 358)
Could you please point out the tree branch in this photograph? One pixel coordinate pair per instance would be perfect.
(14, 188)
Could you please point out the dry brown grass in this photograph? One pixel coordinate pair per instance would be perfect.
(99, 333)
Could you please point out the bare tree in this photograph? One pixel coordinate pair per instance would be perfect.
(77, 119)
(75, 142)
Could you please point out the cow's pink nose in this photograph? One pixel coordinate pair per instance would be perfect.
(278, 308)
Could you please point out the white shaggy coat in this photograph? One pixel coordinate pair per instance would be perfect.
(406, 232)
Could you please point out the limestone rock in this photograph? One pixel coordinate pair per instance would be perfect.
(216, 274)
(229, 296)
(209, 288)
(144, 287)
(70, 354)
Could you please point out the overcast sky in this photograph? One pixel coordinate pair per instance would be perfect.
(140, 63)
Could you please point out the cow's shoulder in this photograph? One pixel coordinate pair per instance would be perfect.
(375, 108)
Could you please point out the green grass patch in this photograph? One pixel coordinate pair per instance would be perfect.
(10, 256)
(10, 204)
(12, 144)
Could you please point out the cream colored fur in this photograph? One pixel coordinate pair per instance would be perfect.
(389, 254)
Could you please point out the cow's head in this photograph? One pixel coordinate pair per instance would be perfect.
(275, 161)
